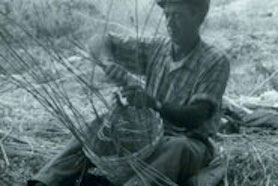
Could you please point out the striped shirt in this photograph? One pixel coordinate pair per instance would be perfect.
(201, 75)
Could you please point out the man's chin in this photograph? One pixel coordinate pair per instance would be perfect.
(176, 40)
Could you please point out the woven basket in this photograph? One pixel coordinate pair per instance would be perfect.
(129, 135)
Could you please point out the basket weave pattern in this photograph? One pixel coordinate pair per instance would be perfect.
(131, 136)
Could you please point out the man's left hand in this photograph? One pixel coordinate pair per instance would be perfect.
(137, 96)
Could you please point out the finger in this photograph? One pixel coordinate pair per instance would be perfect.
(119, 74)
(120, 99)
(117, 96)
(112, 75)
(130, 100)
(112, 72)
(108, 69)
(114, 97)
(116, 101)
(115, 72)
(124, 75)
(131, 88)
(128, 93)
(132, 92)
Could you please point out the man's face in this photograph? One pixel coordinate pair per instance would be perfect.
(182, 23)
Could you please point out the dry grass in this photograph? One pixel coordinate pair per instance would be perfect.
(251, 157)
(245, 29)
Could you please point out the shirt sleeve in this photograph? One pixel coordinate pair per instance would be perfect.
(191, 116)
(212, 83)
(131, 53)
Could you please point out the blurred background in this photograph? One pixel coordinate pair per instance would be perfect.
(245, 29)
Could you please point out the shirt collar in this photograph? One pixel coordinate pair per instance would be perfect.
(186, 60)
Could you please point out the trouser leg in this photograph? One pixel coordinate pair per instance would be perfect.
(91, 180)
(177, 158)
(66, 167)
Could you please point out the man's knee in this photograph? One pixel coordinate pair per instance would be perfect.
(190, 151)
(179, 144)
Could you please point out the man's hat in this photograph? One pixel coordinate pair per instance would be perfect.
(202, 6)
(197, 3)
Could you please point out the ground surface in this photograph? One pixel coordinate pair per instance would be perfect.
(246, 29)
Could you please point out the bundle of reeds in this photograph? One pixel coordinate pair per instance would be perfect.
(132, 134)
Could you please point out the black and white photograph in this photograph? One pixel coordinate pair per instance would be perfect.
(138, 93)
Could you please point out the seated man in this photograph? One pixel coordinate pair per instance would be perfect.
(185, 82)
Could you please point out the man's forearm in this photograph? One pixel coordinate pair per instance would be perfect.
(191, 116)
(35, 183)
(129, 52)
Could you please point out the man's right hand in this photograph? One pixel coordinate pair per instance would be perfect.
(99, 47)
(35, 183)
(116, 73)
(40, 184)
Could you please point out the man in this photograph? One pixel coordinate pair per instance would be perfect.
(185, 82)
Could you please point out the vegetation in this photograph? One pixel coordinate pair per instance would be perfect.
(35, 28)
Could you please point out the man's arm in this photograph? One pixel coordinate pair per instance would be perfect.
(205, 100)
(191, 116)
(212, 82)
(127, 51)
(206, 97)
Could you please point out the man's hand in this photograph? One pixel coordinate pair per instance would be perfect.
(116, 73)
(40, 184)
(99, 47)
(137, 96)
(118, 99)
(35, 183)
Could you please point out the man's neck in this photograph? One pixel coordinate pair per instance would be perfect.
(179, 51)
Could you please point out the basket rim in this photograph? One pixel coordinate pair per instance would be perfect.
(130, 156)
(136, 154)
